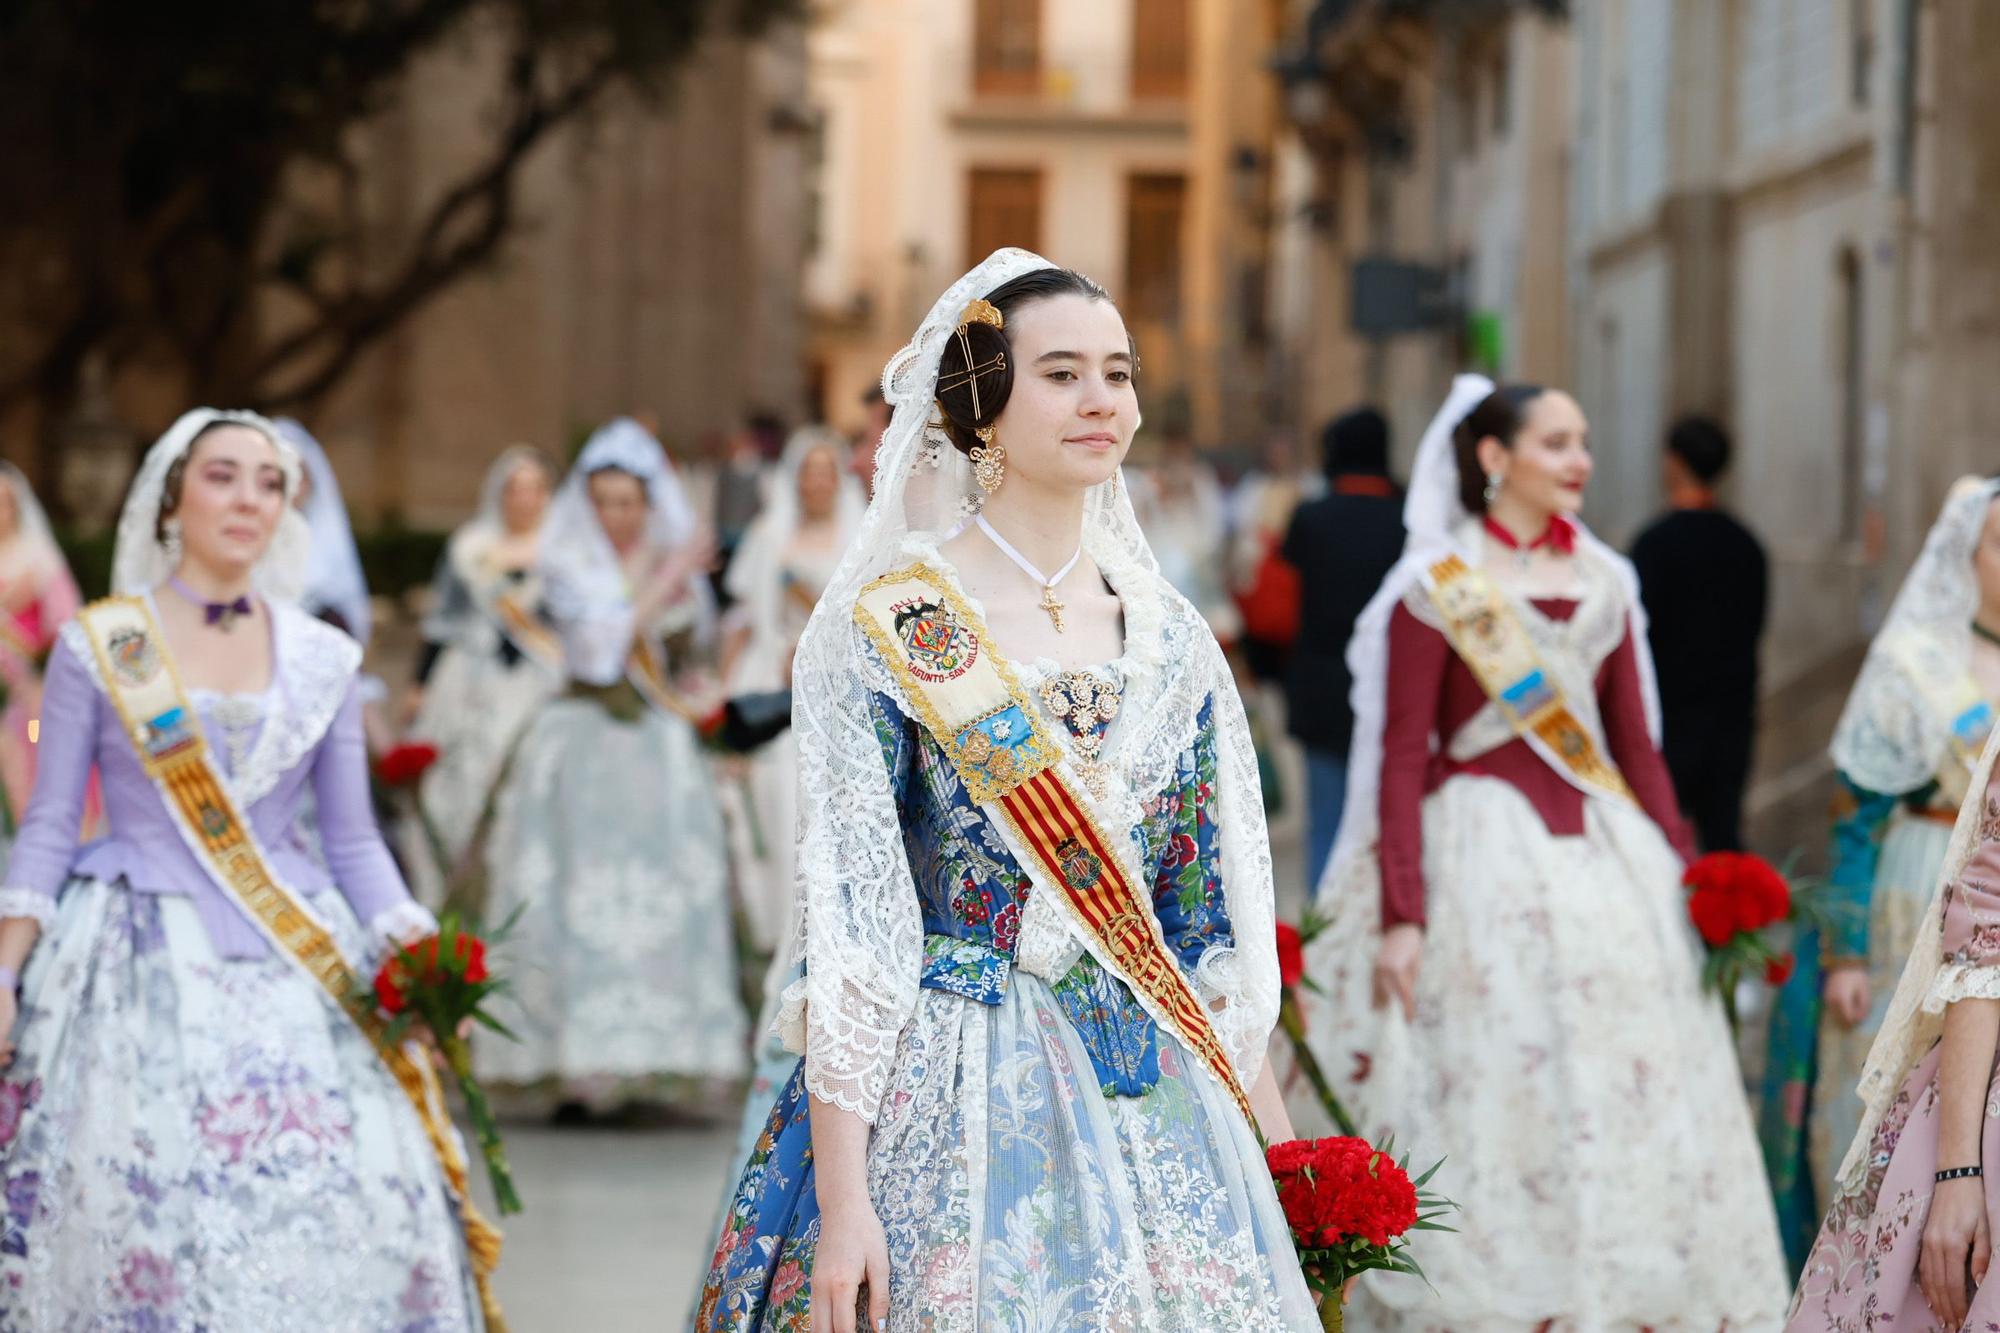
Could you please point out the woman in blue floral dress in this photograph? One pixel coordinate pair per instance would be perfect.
(995, 1125)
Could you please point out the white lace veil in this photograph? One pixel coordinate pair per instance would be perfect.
(33, 544)
(1890, 738)
(139, 562)
(586, 583)
(334, 581)
(756, 571)
(478, 534)
(859, 927)
(1436, 524)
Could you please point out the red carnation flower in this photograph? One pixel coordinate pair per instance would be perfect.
(1336, 1189)
(1779, 970)
(406, 764)
(1291, 955)
(1714, 916)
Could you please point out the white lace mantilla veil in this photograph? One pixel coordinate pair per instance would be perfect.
(1915, 1017)
(585, 582)
(139, 562)
(754, 572)
(333, 580)
(860, 931)
(34, 541)
(1437, 525)
(1891, 738)
(478, 534)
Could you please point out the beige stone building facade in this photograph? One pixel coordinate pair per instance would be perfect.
(656, 270)
(1130, 139)
(1773, 211)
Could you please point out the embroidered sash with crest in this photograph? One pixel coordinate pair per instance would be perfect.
(1945, 681)
(166, 736)
(973, 705)
(1490, 639)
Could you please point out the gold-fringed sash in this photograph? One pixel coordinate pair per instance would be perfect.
(971, 702)
(527, 632)
(140, 680)
(1490, 639)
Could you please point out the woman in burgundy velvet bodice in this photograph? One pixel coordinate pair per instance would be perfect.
(1509, 979)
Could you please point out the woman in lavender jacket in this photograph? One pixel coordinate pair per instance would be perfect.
(191, 1135)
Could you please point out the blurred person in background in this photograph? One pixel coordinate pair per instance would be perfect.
(1905, 748)
(195, 1131)
(37, 594)
(1342, 545)
(1181, 506)
(606, 832)
(775, 582)
(739, 480)
(490, 657)
(336, 588)
(1508, 976)
(1703, 579)
(1265, 583)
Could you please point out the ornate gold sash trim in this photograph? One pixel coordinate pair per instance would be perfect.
(1488, 637)
(145, 690)
(972, 703)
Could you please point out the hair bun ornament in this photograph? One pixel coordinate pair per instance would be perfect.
(981, 311)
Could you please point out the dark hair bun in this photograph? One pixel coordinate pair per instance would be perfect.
(972, 392)
(982, 342)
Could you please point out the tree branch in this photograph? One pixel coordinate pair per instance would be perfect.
(462, 232)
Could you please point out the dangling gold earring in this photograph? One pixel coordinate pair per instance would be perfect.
(989, 461)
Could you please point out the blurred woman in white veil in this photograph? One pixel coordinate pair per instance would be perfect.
(607, 836)
(1509, 979)
(37, 594)
(1040, 961)
(490, 656)
(776, 579)
(336, 589)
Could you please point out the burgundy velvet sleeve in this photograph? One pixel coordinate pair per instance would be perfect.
(1418, 656)
(1622, 702)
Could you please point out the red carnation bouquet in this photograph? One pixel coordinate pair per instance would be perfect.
(1351, 1208)
(1735, 899)
(442, 983)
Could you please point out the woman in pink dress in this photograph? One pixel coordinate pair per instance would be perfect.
(37, 594)
(1907, 1242)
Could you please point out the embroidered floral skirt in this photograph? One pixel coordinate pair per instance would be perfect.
(1016, 1195)
(1567, 1065)
(609, 842)
(196, 1143)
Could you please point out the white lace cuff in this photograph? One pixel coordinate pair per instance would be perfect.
(405, 923)
(1962, 981)
(33, 904)
(850, 1050)
(1218, 980)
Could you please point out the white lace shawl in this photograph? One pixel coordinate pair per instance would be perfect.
(1891, 738)
(334, 579)
(860, 932)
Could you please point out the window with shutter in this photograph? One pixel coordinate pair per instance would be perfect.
(1154, 208)
(1006, 47)
(1003, 206)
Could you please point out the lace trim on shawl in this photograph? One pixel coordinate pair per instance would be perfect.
(314, 667)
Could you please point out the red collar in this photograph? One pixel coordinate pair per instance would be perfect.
(1559, 536)
(1364, 483)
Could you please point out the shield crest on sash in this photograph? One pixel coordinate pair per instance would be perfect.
(133, 656)
(1080, 865)
(939, 647)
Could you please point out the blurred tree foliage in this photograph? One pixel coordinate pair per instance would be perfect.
(174, 174)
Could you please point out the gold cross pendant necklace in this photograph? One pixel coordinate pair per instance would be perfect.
(1052, 605)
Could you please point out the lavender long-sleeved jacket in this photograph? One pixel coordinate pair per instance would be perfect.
(310, 733)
